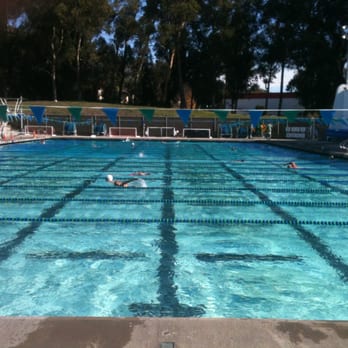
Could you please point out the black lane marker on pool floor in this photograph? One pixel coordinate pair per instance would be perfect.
(7, 248)
(314, 241)
(92, 255)
(34, 170)
(207, 257)
(168, 302)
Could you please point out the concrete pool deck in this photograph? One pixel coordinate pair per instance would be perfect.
(93, 332)
(169, 333)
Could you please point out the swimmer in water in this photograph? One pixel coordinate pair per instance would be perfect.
(135, 182)
(292, 165)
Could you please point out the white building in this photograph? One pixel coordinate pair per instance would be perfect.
(258, 101)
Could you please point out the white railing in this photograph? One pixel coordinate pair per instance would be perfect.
(39, 130)
(161, 132)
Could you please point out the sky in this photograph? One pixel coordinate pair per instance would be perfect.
(275, 86)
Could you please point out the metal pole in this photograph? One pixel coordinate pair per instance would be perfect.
(22, 121)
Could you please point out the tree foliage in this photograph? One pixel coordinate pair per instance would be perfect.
(158, 51)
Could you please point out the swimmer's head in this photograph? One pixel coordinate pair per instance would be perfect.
(109, 178)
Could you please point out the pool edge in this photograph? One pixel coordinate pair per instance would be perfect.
(95, 332)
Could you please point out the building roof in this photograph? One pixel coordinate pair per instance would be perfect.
(264, 95)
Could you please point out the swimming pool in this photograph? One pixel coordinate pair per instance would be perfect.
(222, 230)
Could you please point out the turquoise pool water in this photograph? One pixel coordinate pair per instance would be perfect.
(222, 230)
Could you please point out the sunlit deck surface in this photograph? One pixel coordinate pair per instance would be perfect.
(169, 333)
(81, 332)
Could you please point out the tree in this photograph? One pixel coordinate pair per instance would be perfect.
(61, 29)
(305, 35)
(158, 47)
(319, 51)
(278, 32)
(126, 27)
(76, 18)
(44, 28)
(172, 20)
(142, 57)
(10, 11)
(231, 28)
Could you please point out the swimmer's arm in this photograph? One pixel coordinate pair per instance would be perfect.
(128, 181)
(123, 183)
